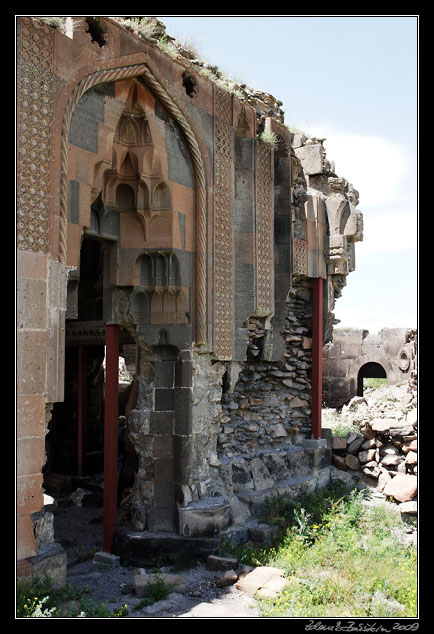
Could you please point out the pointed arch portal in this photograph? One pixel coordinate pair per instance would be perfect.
(143, 74)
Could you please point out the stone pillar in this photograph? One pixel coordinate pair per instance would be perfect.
(317, 337)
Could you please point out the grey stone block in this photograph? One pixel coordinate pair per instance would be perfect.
(164, 399)
(88, 113)
(183, 373)
(161, 423)
(178, 157)
(163, 494)
(51, 562)
(107, 559)
(183, 411)
(162, 519)
(74, 201)
(163, 446)
(182, 449)
(164, 374)
(205, 518)
(163, 469)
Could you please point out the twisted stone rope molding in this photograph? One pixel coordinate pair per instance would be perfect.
(127, 72)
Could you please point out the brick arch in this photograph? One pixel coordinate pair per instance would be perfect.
(144, 74)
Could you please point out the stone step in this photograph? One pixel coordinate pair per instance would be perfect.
(149, 548)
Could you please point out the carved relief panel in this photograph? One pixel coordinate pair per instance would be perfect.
(223, 265)
(34, 134)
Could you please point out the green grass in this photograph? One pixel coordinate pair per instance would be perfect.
(39, 599)
(155, 591)
(374, 383)
(341, 558)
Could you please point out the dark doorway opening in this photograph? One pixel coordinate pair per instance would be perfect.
(369, 370)
(74, 472)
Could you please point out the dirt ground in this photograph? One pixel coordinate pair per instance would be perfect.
(80, 530)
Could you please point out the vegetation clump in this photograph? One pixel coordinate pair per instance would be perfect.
(342, 557)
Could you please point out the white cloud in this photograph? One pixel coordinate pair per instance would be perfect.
(373, 319)
(375, 166)
(388, 232)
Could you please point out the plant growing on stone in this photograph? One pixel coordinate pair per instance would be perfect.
(156, 590)
(164, 44)
(53, 20)
(268, 137)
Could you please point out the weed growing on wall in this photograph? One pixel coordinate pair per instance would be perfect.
(268, 137)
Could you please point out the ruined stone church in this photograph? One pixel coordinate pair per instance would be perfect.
(168, 218)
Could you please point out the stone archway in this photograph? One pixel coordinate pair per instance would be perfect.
(162, 503)
(371, 370)
(145, 75)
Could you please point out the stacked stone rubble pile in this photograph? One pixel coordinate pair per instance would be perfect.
(385, 449)
(270, 405)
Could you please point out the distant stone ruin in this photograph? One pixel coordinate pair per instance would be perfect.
(355, 354)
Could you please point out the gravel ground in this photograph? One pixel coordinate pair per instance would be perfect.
(79, 531)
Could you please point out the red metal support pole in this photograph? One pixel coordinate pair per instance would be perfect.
(111, 437)
(81, 414)
(317, 337)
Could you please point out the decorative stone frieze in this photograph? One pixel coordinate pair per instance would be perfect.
(223, 251)
(34, 129)
(264, 232)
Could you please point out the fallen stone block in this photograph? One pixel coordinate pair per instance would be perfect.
(258, 578)
(340, 463)
(412, 417)
(401, 430)
(214, 562)
(107, 559)
(383, 479)
(352, 462)
(272, 588)
(229, 578)
(382, 602)
(411, 458)
(382, 425)
(366, 456)
(355, 445)
(391, 460)
(409, 445)
(408, 508)
(402, 487)
(339, 443)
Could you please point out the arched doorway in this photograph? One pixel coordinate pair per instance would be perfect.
(369, 370)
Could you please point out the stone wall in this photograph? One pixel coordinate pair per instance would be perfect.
(355, 353)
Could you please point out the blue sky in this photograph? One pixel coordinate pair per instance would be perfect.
(354, 81)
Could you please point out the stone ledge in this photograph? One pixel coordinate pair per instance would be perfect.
(146, 548)
(51, 562)
(204, 518)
